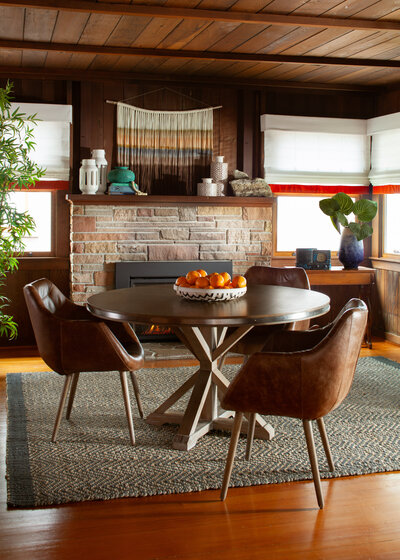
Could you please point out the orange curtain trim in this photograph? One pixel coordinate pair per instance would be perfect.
(49, 186)
(386, 189)
(319, 189)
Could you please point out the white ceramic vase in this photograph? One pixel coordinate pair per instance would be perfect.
(207, 188)
(100, 157)
(219, 173)
(88, 176)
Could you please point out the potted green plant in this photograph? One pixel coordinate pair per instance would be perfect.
(338, 207)
(17, 171)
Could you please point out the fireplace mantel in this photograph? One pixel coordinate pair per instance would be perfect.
(153, 200)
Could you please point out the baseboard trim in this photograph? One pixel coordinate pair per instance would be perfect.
(394, 338)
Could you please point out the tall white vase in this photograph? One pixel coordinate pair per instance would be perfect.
(219, 173)
(100, 157)
(88, 176)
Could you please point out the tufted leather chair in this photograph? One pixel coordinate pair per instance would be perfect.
(71, 340)
(301, 375)
(272, 276)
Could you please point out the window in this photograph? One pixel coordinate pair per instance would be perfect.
(309, 227)
(38, 205)
(52, 151)
(392, 224)
(385, 175)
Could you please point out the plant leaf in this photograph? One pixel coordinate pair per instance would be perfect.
(335, 223)
(365, 209)
(366, 231)
(361, 231)
(341, 218)
(329, 206)
(345, 203)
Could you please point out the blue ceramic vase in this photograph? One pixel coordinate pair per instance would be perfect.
(351, 251)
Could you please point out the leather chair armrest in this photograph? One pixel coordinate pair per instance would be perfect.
(71, 311)
(91, 345)
(295, 341)
(126, 336)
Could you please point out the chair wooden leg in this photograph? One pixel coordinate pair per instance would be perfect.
(125, 393)
(313, 460)
(63, 398)
(75, 378)
(250, 434)
(135, 385)
(222, 361)
(325, 443)
(231, 453)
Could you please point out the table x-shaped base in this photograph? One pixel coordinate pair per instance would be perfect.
(203, 414)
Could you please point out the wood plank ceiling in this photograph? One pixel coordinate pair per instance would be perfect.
(331, 43)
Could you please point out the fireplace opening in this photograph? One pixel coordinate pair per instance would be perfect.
(128, 274)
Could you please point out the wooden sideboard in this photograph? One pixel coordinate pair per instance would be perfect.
(363, 277)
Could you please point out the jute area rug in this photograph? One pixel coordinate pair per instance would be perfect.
(94, 461)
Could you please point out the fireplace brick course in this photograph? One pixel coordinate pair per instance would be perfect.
(102, 235)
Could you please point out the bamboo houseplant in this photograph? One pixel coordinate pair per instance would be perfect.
(339, 207)
(17, 171)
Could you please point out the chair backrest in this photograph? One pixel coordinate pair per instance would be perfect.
(307, 383)
(44, 300)
(328, 369)
(274, 276)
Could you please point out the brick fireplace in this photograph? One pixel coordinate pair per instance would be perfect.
(110, 229)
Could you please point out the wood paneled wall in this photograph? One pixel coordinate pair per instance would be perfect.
(387, 299)
(236, 136)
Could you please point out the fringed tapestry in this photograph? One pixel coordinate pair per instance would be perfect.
(169, 151)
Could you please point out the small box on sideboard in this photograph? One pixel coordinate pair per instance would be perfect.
(313, 259)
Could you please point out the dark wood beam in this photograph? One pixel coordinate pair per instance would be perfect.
(211, 15)
(19, 72)
(8, 44)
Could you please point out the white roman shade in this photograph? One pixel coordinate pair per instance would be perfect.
(385, 153)
(52, 137)
(307, 154)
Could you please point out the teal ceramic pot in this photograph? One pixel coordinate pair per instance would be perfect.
(121, 175)
(351, 251)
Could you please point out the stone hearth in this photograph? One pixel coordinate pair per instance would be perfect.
(102, 235)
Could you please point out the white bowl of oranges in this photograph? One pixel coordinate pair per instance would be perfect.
(197, 285)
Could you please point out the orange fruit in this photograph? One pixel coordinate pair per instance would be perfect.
(227, 277)
(239, 282)
(201, 272)
(217, 280)
(192, 276)
(180, 280)
(202, 282)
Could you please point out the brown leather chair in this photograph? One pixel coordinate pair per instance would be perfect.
(272, 276)
(308, 377)
(71, 340)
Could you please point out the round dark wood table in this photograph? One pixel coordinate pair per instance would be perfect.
(203, 327)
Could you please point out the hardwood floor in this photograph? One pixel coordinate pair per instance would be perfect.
(361, 518)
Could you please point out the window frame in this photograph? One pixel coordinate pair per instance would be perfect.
(279, 258)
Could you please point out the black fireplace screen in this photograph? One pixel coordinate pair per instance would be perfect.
(129, 274)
